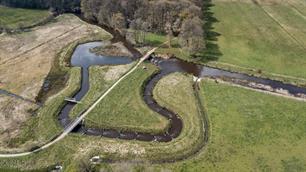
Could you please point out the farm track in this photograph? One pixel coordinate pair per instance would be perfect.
(7, 93)
(281, 25)
(69, 128)
(39, 45)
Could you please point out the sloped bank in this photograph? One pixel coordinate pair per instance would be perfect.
(82, 57)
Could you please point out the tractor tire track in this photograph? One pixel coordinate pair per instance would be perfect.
(39, 45)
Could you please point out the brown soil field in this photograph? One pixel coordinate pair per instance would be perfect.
(13, 112)
(26, 58)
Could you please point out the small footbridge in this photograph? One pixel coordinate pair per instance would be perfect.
(72, 100)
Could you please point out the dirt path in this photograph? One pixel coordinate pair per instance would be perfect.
(68, 129)
(281, 25)
(7, 93)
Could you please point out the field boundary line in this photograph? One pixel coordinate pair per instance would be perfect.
(253, 69)
(258, 90)
(296, 9)
(69, 128)
(41, 44)
(280, 24)
(16, 96)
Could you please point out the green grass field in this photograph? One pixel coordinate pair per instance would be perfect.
(251, 131)
(174, 91)
(14, 18)
(262, 135)
(44, 126)
(291, 19)
(100, 78)
(265, 37)
(124, 108)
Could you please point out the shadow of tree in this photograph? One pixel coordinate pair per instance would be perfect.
(212, 51)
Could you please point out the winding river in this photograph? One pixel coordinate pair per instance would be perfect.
(82, 57)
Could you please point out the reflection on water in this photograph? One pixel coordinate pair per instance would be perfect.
(176, 65)
(82, 57)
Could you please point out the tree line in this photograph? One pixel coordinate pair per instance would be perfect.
(182, 18)
(134, 18)
(54, 5)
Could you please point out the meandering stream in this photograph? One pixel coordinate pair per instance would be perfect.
(83, 58)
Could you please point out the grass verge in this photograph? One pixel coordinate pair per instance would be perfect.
(16, 18)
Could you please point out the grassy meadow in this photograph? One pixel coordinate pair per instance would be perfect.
(262, 135)
(265, 37)
(73, 153)
(124, 108)
(250, 131)
(100, 78)
(14, 18)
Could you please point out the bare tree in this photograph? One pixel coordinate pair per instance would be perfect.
(168, 29)
(179, 17)
(192, 35)
(118, 22)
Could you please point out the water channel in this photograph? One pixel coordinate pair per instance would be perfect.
(82, 57)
